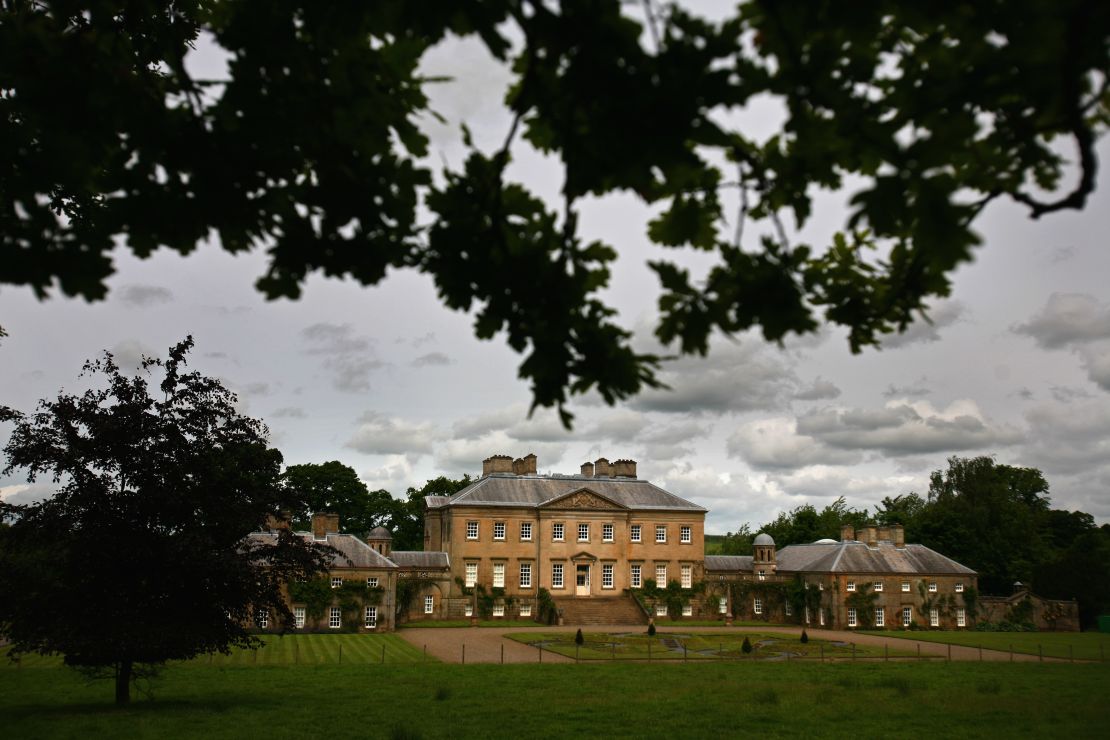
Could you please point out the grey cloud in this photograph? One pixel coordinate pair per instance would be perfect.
(381, 435)
(256, 389)
(348, 357)
(352, 374)
(216, 355)
(673, 434)
(129, 354)
(143, 295)
(428, 338)
(915, 389)
(482, 424)
(1097, 364)
(1062, 254)
(1063, 394)
(940, 316)
(1024, 394)
(432, 358)
(820, 389)
(774, 444)
(22, 494)
(289, 412)
(659, 452)
(333, 339)
(618, 426)
(1068, 319)
(1068, 440)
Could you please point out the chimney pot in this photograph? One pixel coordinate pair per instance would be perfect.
(530, 464)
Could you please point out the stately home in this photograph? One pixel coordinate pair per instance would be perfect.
(605, 547)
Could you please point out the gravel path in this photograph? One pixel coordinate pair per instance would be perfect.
(489, 644)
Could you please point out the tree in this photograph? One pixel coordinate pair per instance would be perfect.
(934, 111)
(142, 555)
(805, 524)
(333, 486)
(408, 525)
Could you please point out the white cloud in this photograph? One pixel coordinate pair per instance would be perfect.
(129, 353)
(774, 443)
(942, 315)
(381, 435)
(819, 390)
(1068, 319)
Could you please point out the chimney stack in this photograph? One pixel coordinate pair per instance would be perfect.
(899, 533)
(869, 535)
(530, 464)
(624, 469)
(324, 523)
(601, 468)
(281, 520)
(884, 534)
(847, 533)
(497, 464)
(588, 469)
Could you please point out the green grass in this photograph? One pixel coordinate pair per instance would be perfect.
(288, 650)
(567, 700)
(1083, 645)
(697, 646)
(450, 623)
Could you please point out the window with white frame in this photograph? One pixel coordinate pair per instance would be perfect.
(606, 575)
(959, 588)
(371, 617)
(526, 575)
(526, 531)
(525, 610)
(687, 610)
(934, 617)
(907, 616)
(757, 606)
(336, 582)
(660, 610)
(660, 533)
(851, 586)
(661, 576)
(499, 575)
(687, 576)
(606, 532)
(556, 575)
(636, 579)
(298, 617)
(722, 605)
(851, 616)
(686, 535)
(471, 574)
(499, 530)
(429, 604)
(472, 530)
(905, 587)
(961, 617)
(821, 617)
(880, 617)
(786, 609)
(635, 533)
(498, 610)
(372, 582)
(878, 587)
(583, 532)
(557, 531)
(933, 587)
(262, 618)
(468, 610)
(335, 618)
(761, 575)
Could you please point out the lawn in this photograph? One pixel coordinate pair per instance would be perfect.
(665, 700)
(698, 646)
(1080, 645)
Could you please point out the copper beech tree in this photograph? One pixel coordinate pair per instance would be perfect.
(142, 556)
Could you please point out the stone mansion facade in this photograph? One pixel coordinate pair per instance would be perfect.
(607, 547)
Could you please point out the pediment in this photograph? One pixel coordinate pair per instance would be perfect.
(582, 498)
(584, 556)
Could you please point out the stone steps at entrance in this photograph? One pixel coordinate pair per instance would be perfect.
(599, 610)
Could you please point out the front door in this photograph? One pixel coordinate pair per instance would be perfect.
(582, 580)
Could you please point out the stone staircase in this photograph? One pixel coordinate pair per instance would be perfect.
(599, 610)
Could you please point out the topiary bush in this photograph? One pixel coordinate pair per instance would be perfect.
(651, 629)
(578, 639)
(805, 637)
(746, 648)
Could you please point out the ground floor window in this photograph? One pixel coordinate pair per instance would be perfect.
(471, 574)
(961, 618)
(787, 609)
(934, 618)
(880, 617)
(262, 618)
(498, 610)
(556, 575)
(821, 616)
(660, 610)
(607, 575)
(757, 607)
(907, 616)
(468, 610)
(687, 611)
(429, 604)
(636, 576)
(371, 617)
(525, 610)
(298, 617)
(851, 616)
(722, 605)
(335, 618)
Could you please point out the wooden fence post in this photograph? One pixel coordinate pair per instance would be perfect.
(464, 653)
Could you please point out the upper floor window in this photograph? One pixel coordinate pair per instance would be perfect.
(932, 588)
(959, 588)
(762, 575)
(905, 587)
(851, 586)
(606, 532)
(557, 531)
(583, 532)
(686, 535)
(499, 530)
(660, 533)
(372, 582)
(634, 533)
(525, 531)
(336, 582)
(472, 530)
(878, 587)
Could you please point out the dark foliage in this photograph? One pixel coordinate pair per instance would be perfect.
(142, 555)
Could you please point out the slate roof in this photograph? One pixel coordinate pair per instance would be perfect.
(502, 489)
(353, 552)
(857, 557)
(728, 562)
(420, 559)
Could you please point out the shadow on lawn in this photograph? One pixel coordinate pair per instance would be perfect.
(139, 706)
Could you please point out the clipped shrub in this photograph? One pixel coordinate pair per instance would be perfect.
(746, 648)
(805, 637)
(578, 639)
(651, 630)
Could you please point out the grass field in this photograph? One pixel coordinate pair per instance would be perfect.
(639, 700)
(1082, 645)
(698, 646)
(288, 650)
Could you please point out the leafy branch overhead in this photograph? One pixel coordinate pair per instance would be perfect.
(312, 149)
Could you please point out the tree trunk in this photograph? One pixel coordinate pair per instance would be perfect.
(123, 682)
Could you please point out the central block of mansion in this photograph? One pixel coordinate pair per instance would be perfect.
(610, 548)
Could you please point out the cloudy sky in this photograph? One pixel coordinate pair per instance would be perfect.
(1016, 364)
